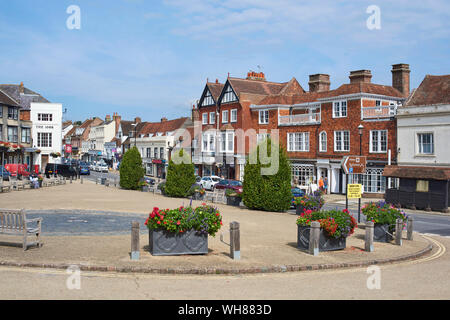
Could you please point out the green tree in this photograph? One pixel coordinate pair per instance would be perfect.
(268, 192)
(131, 170)
(180, 176)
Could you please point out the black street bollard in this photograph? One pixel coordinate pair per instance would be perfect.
(235, 241)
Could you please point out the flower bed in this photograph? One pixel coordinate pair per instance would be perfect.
(335, 227)
(384, 217)
(182, 231)
(305, 203)
(234, 197)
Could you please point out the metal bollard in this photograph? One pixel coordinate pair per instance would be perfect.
(398, 232)
(81, 180)
(314, 238)
(135, 240)
(235, 241)
(409, 228)
(369, 236)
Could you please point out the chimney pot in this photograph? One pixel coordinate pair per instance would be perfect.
(137, 120)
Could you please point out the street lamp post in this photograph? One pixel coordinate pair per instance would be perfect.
(360, 131)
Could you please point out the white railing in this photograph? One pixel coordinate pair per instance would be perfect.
(299, 119)
(378, 112)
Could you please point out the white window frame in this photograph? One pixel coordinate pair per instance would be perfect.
(321, 141)
(228, 141)
(208, 100)
(212, 117)
(260, 137)
(233, 118)
(225, 114)
(338, 109)
(298, 142)
(375, 136)
(342, 138)
(205, 118)
(229, 95)
(264, 118)
(210, 139)
(418, 144)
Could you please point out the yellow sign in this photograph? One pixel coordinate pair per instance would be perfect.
(354, 191)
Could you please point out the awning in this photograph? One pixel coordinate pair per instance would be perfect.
(413, 172)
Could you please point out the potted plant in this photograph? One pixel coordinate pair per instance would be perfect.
(182, 231)
(143, 186)
(313, 202)
(384, 217)
(197, 192)
(335, 227)
(234, 197)
(55, 154)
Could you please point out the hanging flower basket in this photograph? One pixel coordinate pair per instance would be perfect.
(38, 151)
(55, 154)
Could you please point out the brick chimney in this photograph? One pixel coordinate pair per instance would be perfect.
(400, 78)
(251, 75)
(137, 120)
(195, 114)
(163, 119)
(21, 88)
(319, 82)
(360, 76)
(107, 118)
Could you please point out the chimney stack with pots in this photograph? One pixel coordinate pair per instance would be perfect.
(163, 119)
(319, 82)
(251, 75)
(400, 78)
(195, 114)
(137, 120)
(107, 118)
(359, 76)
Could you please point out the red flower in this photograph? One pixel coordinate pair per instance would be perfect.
(178, 222)
(217, 214)
(159, 222)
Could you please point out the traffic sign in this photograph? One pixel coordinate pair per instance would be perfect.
(354, 191)
(354, 164)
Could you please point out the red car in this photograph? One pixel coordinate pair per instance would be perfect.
(17, 170)
(229, 184)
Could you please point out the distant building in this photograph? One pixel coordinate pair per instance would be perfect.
(423, 133)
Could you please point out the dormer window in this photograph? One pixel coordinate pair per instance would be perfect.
(208, 99)
(229, 95)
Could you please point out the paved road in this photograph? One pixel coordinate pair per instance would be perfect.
(426, 278)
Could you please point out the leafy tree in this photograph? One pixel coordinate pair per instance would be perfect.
(131, 170)
(269, 192)
(180, 175)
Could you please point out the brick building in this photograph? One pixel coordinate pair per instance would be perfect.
(317, 127)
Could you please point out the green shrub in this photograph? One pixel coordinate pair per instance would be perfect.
(268, 192)
(180, 177)
(131, 170)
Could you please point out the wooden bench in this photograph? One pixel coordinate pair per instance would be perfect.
(16, 184)
(15, 222)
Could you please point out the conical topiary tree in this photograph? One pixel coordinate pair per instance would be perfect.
(180, 175)
(131, 170)
(270, 190)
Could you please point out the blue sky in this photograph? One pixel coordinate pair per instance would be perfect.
(152, 58)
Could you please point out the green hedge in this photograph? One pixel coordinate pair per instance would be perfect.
(180, 177)
(268, 192)
(131, 170)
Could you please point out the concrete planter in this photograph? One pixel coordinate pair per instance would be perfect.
(326, 243)
(234, 201)
(380, 233)
(164, 243)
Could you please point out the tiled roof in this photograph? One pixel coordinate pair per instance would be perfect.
(433, 90)
(344, 89)
(163, 126)
(25, 99)
(5, 99)
(215, 89)
(434, 173)
(255, 86)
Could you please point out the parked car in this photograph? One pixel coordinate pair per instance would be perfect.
(64, 170)
(4, 173)
(149, 181)
(296, 192)
(230, 184)
(209, 182)
(102, 167)
(92, 166)
(17, 170)
(84, 170)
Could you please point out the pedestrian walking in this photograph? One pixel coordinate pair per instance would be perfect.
(321, 184)
(325, 185)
